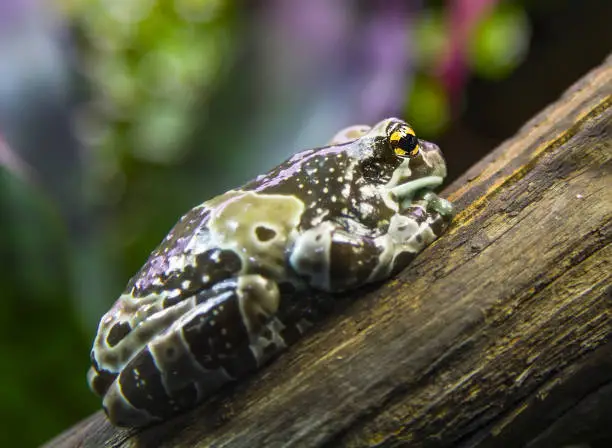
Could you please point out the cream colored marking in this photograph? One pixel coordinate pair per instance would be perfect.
(313, 248)
(232, 226)
(115, 358)
(257, 296)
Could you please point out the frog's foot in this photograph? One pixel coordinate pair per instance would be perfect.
(411, 231)
(230, 330)
(437, 205)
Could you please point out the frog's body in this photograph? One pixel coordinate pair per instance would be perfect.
(242, 276)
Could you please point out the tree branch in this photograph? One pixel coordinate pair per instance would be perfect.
(497, 335)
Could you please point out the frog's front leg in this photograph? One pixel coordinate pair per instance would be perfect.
(230, 330)
(335, 259)
(418, 225)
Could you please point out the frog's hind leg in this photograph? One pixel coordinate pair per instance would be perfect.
(231, 330)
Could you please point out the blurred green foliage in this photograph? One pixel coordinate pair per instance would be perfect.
(499, 42)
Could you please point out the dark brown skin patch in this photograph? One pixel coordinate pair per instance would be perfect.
(218, 264)
(264, 233)
(215, 264)
(186, 397)
(102, 381)
(241, 362)
(352, 261)
(180, 374)
(116, 334)
(401, 261)
(209, 332)
(438, 225)
(141, 384)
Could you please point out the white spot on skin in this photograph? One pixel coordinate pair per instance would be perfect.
(175, 263)
(346, 191)
(212, 322)
(185, 284)
(325, 190)
(174, 293)
(224, 331)
(366, 209)
(156, 281)
(368, 192)
(334, 198)
(309, 192)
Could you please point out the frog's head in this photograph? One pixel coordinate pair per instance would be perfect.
(393, 157)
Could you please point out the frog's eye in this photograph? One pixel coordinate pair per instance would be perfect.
(404, 142)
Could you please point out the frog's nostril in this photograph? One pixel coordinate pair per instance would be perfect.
(264, 233)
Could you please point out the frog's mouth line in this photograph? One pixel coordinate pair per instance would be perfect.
(407, 190)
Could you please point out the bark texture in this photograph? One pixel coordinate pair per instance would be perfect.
(497, 335)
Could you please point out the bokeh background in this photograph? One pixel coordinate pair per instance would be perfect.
(117, 116)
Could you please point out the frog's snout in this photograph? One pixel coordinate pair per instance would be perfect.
(433, 158)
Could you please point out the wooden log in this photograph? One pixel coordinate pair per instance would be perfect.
(497, 335)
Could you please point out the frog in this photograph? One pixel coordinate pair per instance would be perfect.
(244, 275)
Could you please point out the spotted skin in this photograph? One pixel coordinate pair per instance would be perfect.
(243, 275)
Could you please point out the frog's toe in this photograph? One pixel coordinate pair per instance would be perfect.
(440, 206)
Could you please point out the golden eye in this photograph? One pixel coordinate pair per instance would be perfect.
(404, 142)
(399, 151)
